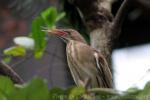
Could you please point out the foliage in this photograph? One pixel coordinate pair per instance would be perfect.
(37, 89)
(15, 51)
(47, 18)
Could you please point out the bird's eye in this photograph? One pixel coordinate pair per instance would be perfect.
(69, 33)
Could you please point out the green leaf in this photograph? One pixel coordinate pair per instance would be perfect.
(104, 93)
(7, 59)
(37, 90)
(6, 86)
(76, 93)
(145, 94)
(2, 96)
(38, 54)
(130, 94)
(34, 90)
(49, 16)
(60, 16)
(15, 51)
(58, 94)
(38, 36)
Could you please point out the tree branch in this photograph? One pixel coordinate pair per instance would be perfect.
(98, 18)
(29, 55)
(104, 90)
(144, 3)
(7, 71)
(119, 18)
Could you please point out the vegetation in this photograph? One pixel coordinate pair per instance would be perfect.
(47, 19)
(38, 90)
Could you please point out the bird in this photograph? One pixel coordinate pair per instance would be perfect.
(87, 65)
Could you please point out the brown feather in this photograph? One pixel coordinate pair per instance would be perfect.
(83, 65)
(84, 61)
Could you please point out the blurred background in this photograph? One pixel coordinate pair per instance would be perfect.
(131, 56)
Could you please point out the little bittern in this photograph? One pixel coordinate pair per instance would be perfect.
(84, 61)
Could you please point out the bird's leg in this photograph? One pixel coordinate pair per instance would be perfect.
(85, 83)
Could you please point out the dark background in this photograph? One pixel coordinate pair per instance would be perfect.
(136, 27)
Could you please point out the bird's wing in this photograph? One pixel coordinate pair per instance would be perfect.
(74, 72)
(105, 75)
(74, 69)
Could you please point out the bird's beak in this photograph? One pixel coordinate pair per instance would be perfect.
(57, 32)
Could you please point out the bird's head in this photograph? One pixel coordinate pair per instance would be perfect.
(66, 34)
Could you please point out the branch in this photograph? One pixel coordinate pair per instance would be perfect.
(119, 18)
(144, 3)
(8, 71)
(94, 12)
(97, 17)
(22, 61)
(104, 90)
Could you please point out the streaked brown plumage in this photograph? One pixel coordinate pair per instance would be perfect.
(84, 61)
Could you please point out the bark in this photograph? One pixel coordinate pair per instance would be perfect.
(6, 70)
(103, 27)
(97, 18)
(144, 3)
